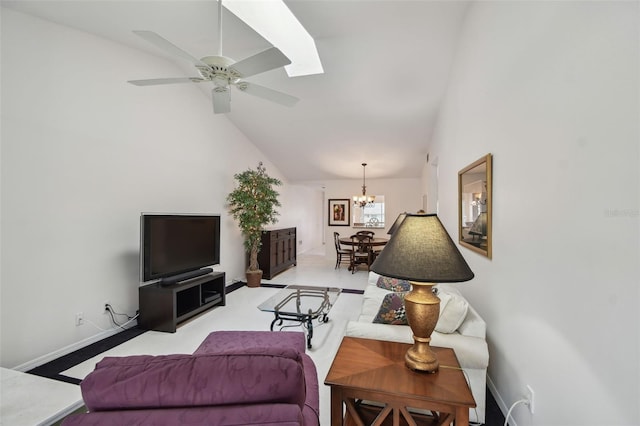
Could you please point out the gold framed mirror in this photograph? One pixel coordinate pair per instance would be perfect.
(475, 206)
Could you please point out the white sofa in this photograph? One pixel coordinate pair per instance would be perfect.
(468, 340)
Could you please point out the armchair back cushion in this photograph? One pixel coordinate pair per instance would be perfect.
(147, 382)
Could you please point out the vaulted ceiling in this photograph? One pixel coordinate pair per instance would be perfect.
(386, 66)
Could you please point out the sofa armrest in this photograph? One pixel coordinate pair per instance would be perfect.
(387, 332)
(373, 278)
(311, 410)
(472, 352)
(473, 325)
(255, 342)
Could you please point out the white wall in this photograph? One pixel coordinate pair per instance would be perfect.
(430, 185)
(400, 195)
(552, 90)
(83, 153)
(303, 209)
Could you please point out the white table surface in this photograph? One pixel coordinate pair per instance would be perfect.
(26, 399)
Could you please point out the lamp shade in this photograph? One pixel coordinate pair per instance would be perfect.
(479, 227)
(421, 250)
(397, 223)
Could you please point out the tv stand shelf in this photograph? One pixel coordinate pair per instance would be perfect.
(163, 307)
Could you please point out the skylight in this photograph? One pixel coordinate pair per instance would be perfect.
(273, 20)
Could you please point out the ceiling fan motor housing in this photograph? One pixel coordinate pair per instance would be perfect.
(218, 70)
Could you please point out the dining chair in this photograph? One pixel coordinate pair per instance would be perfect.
(369, 233)
(375, 251)
(342, 254)
(362, 252)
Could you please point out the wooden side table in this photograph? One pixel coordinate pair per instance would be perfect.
(374, 370)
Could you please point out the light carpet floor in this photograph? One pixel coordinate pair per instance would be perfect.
(241, 313)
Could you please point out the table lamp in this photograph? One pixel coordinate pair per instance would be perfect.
(421, 251)
(397, 223)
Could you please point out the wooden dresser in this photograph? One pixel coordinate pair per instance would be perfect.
(278, 251)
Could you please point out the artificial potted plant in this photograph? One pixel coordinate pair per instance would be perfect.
(253, 204)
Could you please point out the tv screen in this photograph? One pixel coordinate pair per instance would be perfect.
(172, 244)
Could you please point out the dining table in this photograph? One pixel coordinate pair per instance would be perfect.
(375, 241)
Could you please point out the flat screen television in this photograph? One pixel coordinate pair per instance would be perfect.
(174, 244)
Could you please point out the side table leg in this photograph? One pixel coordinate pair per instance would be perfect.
(336, 407)
(462, 417)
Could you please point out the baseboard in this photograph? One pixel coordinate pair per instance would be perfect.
(44, 359)
(499, 401)
(30, 365)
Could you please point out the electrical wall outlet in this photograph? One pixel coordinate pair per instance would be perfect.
(79, 318)
(105, 308)
(530, 395)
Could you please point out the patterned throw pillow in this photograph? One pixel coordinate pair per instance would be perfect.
(392, 310)
(393, 284)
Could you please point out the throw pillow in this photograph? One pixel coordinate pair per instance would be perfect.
(453, 311)
(393, 284)
(392, 310)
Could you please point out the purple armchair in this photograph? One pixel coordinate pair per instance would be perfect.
(233, 378)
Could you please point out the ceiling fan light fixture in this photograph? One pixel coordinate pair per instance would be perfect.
(220, 81)
(221, 100)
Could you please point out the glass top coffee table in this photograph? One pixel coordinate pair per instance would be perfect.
(301, 304)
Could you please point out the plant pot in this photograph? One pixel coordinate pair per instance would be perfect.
(254, 278)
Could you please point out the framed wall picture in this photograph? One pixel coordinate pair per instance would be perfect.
(339, 212)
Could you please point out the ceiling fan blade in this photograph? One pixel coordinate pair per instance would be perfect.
(167, 46)
(261, 62)
(157, 81)
(221, 100)
(268, 94)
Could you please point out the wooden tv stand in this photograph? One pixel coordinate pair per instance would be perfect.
(163, 307)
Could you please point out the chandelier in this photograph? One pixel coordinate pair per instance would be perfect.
(364, 199)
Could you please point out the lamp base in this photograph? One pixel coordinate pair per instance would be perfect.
(422, 308)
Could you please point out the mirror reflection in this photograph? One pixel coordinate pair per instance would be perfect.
(474, 190)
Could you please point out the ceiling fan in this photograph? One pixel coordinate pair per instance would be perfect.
(223, 72)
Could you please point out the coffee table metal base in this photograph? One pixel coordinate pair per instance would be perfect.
(301, 304)
(306, 319)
